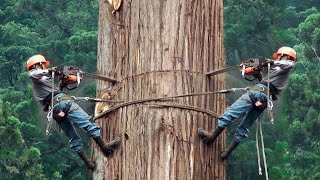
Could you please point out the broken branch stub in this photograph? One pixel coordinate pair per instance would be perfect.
(115, 3)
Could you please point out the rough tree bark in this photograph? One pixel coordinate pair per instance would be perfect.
(158, 48)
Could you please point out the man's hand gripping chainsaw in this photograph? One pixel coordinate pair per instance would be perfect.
(71, 75)
(68, 75)
(253, 67)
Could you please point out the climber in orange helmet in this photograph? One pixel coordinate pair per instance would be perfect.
(252, 104)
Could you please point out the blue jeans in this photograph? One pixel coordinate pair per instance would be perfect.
(76, 116)
(244, 106)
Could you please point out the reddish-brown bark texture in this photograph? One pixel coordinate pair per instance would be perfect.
(158, 48)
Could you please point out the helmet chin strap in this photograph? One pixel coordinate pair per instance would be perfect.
(37, 66)
(284, 57)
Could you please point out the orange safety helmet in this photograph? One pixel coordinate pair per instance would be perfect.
(286, 51)
(35, 60)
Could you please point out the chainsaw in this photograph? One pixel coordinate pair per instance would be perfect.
(250, 67)
(71, 76)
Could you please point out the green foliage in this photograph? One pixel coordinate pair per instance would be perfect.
(309, 33)
(251, 24)
(66, 33)
(309, 29)
(83, 50)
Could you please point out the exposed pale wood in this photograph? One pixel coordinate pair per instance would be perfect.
(115, 3)
(157, 48)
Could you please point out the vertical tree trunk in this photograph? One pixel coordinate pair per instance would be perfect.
(158, 48)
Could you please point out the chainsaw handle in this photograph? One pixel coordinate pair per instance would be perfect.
(251, 67)
(250, 70)
(63, 85)
(58, 70)
(254, 76)
(71, 88)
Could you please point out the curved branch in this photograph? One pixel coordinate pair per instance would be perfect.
(187, 107)
(148, 100)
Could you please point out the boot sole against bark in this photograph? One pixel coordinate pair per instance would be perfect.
(205, 136)
(224, 155)
(111, 146)
(92, 168)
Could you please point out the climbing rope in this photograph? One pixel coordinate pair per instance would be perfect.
(50, 113)
(263, 152)
(269, 104)
(259, 129)
(123, 103)
(186, 107)
(165, 98)
(257, 146)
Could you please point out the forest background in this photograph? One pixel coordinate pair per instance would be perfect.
(66, 32)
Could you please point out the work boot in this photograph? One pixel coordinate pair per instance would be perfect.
(225, 154)
(209, 138)
(108, 148)
(90, 164)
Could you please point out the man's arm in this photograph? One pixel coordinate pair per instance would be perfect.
(284, 64)
(39, 73)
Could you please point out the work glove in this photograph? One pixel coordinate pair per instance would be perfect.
(59, 70)
(264, 62)
(51, 69)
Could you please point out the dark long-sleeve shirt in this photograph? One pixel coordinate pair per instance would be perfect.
(42, 84)
(279, 75)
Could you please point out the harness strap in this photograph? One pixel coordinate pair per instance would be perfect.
(258, 88)
(66, 111)
(269, 100)
(54, 116)
(73, 98)
(61, 98)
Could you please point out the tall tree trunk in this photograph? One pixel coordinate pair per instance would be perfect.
(158, 48)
